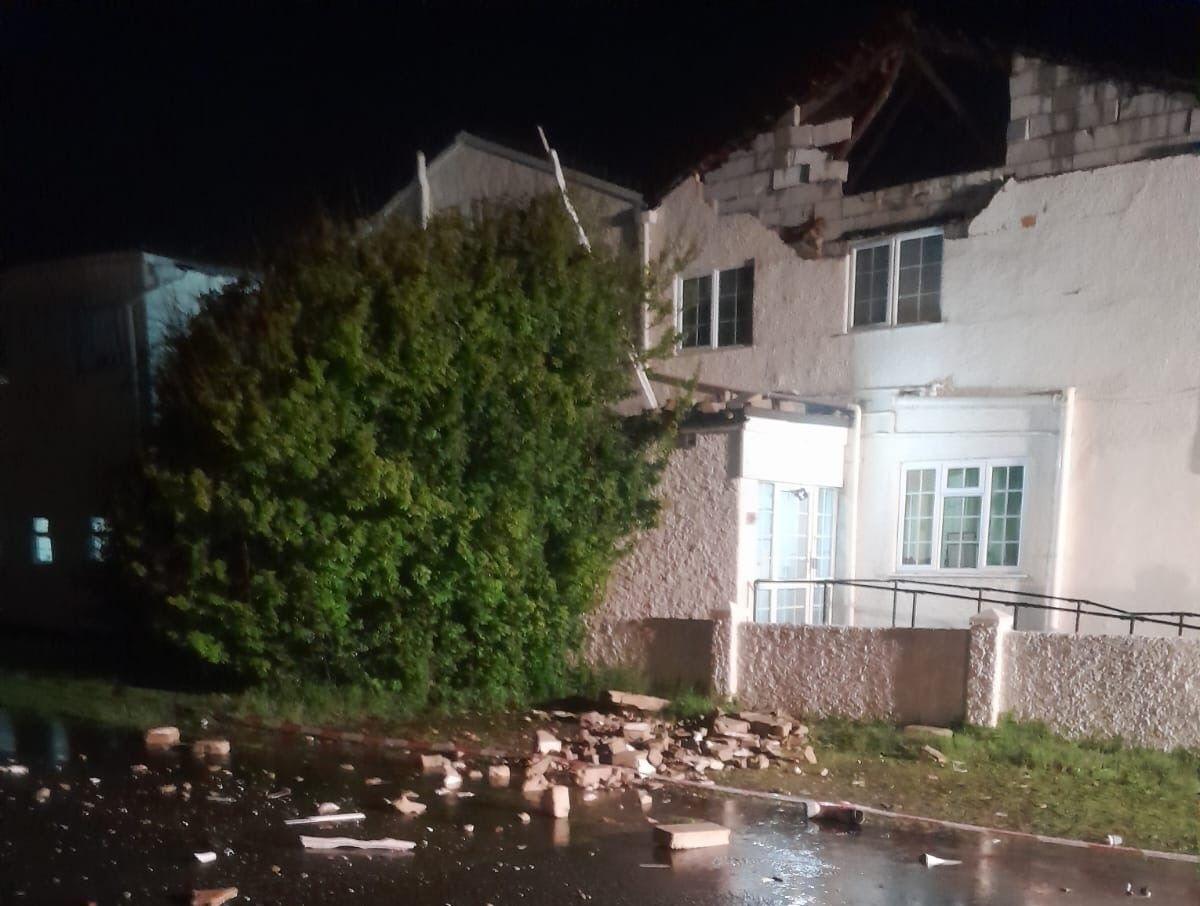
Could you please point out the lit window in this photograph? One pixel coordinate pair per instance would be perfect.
(953, 512)
(732, 321)
(43, 547)
(897, 280)
(97, 536)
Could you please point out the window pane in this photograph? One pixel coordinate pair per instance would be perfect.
(43, 549)
(41, 524)
(735, 306)
(871, 266)
(916, 547)
(696, 312)
(1004, 526)
(919, 280)
(960, 531)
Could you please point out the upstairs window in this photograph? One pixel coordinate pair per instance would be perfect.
(897, 280)
(43, 547)
(97, 536)
(962, 515)
(723, 318)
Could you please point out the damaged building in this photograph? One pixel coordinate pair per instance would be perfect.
(917, 399)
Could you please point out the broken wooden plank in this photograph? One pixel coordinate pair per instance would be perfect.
(697, 835)
(386, 843)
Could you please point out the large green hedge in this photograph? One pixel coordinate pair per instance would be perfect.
(394, 459)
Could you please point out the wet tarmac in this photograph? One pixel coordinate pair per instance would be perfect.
(108, 835)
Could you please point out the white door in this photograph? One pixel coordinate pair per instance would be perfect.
(795, 534)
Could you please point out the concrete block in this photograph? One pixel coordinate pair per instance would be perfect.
(1022, 63)
(697, 835)
(1025, 83)
(1026, 152)
(795, 156)
(854, 205)
(1029, 105)
(1151, 128)
(1097, 114)
(1018, 130)
(1145, 104)
(805, 193)
(1064, 122)
(162, 737)
(754, 184)
(830, 170)
(743, 204)
(1112, 135)
(765, 159)
(1072, 143)
(1103, 157)
(794, 137)
(833, 131)
(556, 801)
(795, 214)
(499, 775)
(1036, 168)
(1042, 124)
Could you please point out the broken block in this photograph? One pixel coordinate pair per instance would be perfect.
(556, 801)
(162, 737)
(210, 748)
(431, 763)
(767, 724)
(547, 742)
(647, 703)
(406, 806)
(499, 775)
(213, 897)
(730, 726)
(934, 754)
(696, 835)
(588, 775)
(535, 784)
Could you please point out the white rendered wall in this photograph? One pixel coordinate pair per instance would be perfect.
(1088, 280)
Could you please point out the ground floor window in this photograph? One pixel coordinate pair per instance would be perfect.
(43, 546)
(963, 515)
(795, 531)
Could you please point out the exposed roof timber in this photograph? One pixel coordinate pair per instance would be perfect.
(949, 97)
(893, 65)
(879, 140)
(807, 112)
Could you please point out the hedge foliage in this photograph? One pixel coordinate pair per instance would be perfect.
(395, 460)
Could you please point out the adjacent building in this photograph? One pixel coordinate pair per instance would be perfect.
(80, 339)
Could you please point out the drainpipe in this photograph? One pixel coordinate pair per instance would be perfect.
(1062, 489)
(853, 467)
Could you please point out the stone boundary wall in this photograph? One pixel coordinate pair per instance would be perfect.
(1144, 689)
(898, 675)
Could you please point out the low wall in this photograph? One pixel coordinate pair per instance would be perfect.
(671, 654)
(898, 675)
(1145, 690)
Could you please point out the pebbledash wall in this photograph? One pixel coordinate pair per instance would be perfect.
(1144, 690)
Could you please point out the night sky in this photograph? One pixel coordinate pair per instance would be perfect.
(216, 130)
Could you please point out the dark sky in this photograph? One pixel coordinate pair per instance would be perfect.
(214, 129)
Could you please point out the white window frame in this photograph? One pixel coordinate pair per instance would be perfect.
(893, 294)
(940, 494)
(715, 302)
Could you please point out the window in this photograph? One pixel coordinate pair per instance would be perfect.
(43, 547)
(951, 513)
(897, 280)
(795, 529)
(97, 536)
(731, 324)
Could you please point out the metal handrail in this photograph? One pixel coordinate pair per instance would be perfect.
(979, 595)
